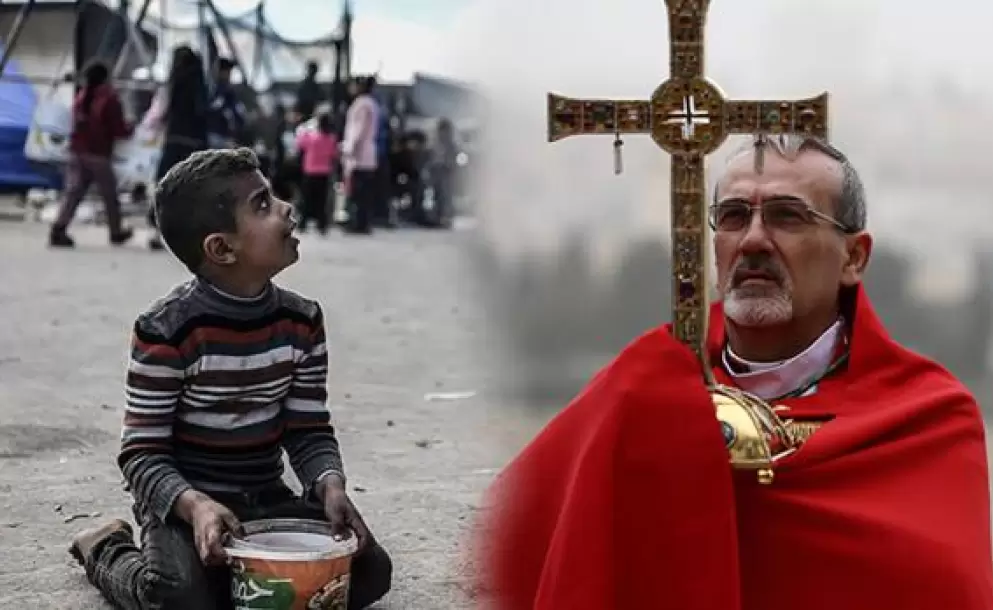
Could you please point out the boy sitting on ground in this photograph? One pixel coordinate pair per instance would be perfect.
(226, 371)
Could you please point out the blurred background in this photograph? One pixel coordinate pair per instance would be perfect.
(575, 260)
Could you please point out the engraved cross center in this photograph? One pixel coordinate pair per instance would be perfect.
(689, 117)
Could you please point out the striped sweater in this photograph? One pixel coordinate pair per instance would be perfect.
(217, 385)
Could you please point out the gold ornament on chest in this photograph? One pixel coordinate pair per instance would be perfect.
(689, 118)
(804, 429)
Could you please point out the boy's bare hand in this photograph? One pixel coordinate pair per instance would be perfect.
(210, 521)
(341, 513)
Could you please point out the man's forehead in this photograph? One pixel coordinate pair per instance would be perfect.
(809, 170)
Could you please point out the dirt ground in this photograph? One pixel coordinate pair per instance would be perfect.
(402, 322)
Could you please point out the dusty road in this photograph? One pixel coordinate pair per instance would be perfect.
(403, 322)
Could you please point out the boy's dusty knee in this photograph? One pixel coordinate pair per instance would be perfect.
(382, 569)
(372, 576)
(185, 589)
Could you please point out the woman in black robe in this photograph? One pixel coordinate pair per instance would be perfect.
(185, 117)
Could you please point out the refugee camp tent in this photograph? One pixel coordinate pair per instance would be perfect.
(17, 105)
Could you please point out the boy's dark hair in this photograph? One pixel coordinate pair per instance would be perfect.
(195, 198)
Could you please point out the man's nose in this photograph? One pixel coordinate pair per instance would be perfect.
(756, 237)
(286, 208)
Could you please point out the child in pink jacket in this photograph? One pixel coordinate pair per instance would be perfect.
(318, 153)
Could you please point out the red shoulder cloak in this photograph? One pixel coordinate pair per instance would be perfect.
(626, 498)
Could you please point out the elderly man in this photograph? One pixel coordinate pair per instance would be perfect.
(627, 499)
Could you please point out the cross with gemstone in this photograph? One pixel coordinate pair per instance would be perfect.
(688, 117)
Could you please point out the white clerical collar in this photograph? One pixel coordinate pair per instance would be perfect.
(769, 380)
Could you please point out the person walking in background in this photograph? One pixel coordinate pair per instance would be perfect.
(318, 151)
(383, 215)
(181, 109)
(407, 166)
(361, 158)
(276, 141)
(226, 117)
(444, 162)
(97, 123)
(309, 93)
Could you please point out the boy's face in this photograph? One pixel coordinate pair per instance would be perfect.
(263, 244)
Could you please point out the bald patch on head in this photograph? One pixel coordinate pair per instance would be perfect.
(848, 202)
(807, 174)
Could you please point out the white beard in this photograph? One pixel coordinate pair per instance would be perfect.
(758, 307)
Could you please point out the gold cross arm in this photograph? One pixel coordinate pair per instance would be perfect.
(689, 117)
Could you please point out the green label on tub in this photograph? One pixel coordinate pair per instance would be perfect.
(251, 593)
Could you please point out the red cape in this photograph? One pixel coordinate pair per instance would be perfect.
(626, 498)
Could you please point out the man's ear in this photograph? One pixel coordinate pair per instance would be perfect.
(859, 248)
(218, 250)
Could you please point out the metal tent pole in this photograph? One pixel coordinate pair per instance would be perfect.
(15, 32)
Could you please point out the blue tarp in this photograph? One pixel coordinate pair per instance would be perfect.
(17, 104)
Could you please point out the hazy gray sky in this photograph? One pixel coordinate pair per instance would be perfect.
(909, 82)
(398, 37)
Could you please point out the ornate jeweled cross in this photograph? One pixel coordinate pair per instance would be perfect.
(689, 118)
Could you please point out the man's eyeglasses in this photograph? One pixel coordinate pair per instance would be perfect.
(777, 214)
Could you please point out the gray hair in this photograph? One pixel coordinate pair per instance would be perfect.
(850, 206)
